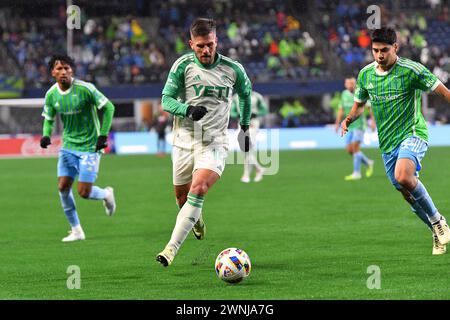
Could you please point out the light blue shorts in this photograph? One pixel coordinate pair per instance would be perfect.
(413, 148)
(85, 164)
(355, 135)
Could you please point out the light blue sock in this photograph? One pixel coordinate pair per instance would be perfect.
(364, 158)
(417, 209)
(97, 193)
(357, 162)
(68, 204)
(422, 197)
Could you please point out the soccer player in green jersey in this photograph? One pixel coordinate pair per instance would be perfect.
(355, 133)
(259, 109)
(77, 103)
(198, 92)
(394, 85)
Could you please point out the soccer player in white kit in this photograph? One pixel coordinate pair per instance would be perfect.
(259, 109)
(198, 92)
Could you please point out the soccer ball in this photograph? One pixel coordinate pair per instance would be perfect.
(233, 265)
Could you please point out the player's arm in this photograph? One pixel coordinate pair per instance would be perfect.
(101, 102)
(243, 88)
(443, 91)
(357, 110)
(373, 125)
(49, 122)
(172, 89)
(339, 116)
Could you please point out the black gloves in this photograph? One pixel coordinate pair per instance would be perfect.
(244, 138)
(45, 142)
(195, 113)
(102, 142)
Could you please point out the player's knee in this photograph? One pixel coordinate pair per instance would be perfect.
(63, 187)
(200, 189)
(404, 180)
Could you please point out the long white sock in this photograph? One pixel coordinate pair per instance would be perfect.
(187, 217)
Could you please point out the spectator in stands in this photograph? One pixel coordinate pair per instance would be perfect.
(291, 112)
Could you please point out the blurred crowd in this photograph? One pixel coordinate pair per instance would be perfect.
(422, 26)
(266, 37)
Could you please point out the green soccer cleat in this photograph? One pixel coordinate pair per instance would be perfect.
(438, 248)
(199, 229)
(369, 171)
(353, 176)
(166, 256)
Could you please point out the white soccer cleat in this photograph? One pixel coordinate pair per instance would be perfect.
(166, 256)
(438, 248)
(74, 235)
(109, 202)
(245, 179)
(259, 175)
(441, 230)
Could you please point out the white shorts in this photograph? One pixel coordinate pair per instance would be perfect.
(186, 161)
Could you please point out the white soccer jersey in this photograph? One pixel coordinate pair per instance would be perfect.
(194, 84)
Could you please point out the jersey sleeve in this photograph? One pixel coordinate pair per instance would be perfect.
(99, 98)
(175, 80)
(243, 88)
(49, 111)
(425, 80)
(361, 94)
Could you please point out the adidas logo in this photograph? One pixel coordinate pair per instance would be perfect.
(370, 86)
(57, 104)
(197, 78)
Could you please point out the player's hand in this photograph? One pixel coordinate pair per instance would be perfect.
(344, 126)
(102, 142)
(45, 142)
(244, 139)
(195, 113)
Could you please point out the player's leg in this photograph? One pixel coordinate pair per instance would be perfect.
(350, 146)
(405, 175)
(358, 138)
(259, 170)
(67, 171)
(208, 165)
(89, 164)
(181, 194)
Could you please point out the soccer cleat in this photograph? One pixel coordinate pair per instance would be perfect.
(166, 256)
(438, 248)
(74, 235)
(109, 202)
(245, 179)
(353, 176)
(369, 171)
(199, 229)
(441, 230)
(259, 175)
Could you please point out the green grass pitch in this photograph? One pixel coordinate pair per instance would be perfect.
(309, 234)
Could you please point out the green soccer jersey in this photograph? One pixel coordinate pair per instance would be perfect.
(395, 96)
(346, 103)
(258, 107)
(192, 83)
(77, 107)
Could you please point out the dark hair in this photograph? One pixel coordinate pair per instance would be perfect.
(201, 27)
(385, 35)
(63, 59)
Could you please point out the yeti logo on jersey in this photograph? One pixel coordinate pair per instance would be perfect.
(211, 91)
